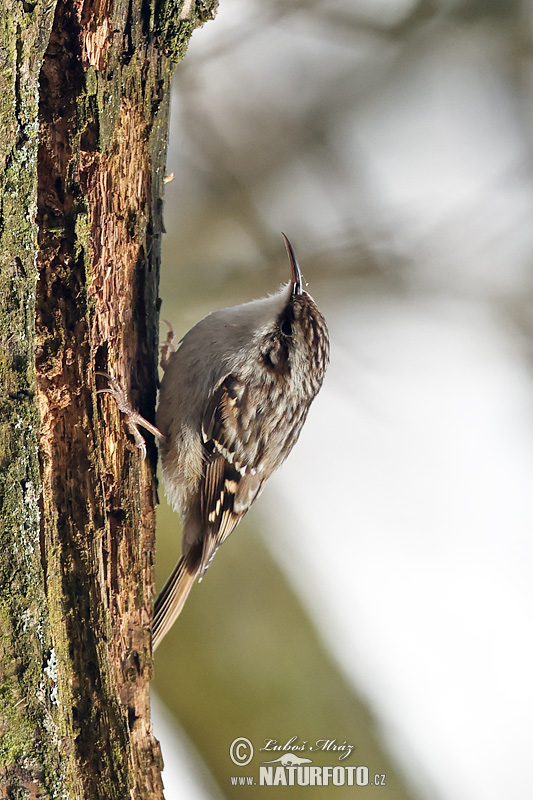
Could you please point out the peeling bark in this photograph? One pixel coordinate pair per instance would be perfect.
(76, 596)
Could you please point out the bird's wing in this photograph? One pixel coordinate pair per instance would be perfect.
(230, 483)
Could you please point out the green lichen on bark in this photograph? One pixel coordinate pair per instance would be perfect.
(29, 756)
(175, 20)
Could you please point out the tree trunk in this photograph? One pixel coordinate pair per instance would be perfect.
(84, 118)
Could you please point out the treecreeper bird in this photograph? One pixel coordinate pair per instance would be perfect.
(234, 397)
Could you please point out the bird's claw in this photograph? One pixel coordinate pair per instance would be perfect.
(167, 348)
(133, 418)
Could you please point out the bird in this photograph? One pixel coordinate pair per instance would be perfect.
(233, 399)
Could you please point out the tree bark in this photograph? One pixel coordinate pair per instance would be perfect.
(84, 112)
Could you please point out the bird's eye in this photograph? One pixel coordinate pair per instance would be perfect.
(286, 327)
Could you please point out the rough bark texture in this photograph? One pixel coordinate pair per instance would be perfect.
(29, 756)
(86, 139)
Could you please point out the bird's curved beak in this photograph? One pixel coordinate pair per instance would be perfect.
(296, 275)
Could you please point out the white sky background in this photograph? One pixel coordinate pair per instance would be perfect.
(407, 529)
(184, 774)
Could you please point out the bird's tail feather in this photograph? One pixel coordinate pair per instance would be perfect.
(171, 598)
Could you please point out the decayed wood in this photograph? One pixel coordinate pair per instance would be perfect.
(80, 686)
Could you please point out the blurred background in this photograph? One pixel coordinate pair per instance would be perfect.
(379, 593)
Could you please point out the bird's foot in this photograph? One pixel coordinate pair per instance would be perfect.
(167, 348)
(133, 418)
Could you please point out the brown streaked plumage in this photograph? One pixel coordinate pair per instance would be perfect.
(233, 401)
